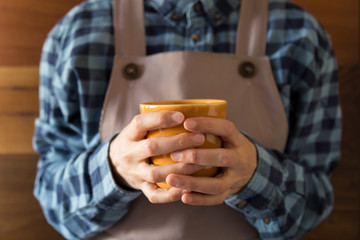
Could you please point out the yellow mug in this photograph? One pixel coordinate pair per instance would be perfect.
(190, 108)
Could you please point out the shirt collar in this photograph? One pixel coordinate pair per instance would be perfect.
(221, 8)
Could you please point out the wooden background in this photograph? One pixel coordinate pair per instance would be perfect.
(23, 28)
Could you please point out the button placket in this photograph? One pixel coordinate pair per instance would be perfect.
(196, 21)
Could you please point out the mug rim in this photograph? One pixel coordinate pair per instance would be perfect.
(185, 102)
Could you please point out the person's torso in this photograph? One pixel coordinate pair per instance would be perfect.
(244, 80)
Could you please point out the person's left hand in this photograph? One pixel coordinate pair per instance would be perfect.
(237, 160)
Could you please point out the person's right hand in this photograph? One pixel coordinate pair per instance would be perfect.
(130, 153)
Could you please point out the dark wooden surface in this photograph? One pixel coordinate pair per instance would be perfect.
(20, 214)
(23, 28)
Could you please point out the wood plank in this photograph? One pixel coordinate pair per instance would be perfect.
(340, 19)
(342, 22)
(19, 77)
(19, 101)
(16, 133)
(20, 213)
(18, 108)
(24, 26)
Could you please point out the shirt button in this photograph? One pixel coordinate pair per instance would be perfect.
(195, 37)
(217, 16)
(266, 220)
(174, 17)
(242, 204)
(198, 7)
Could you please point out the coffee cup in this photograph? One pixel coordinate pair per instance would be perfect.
(214, 108)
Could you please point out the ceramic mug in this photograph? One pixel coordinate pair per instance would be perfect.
(190, 108)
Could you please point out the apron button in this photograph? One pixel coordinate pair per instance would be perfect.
(247, 69)
(131, 71)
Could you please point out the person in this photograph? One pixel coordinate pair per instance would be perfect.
(271, 60)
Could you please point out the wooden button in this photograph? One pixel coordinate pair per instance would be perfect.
(195, 37)
(198, 7)
(266, 220)
(174, 17)
(242, 204)
(131, 71)
(247, 69)
(217, 16)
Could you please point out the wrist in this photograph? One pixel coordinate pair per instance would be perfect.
(118, 179)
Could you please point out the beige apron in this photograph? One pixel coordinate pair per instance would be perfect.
(245, 80)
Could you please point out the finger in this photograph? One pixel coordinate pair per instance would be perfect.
(159, 195)
(164, 145)
(198, 199)
(217, 157)
(216, 126)
(142, 123)
(156, 174)
(205, 185)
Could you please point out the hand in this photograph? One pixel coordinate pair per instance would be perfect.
(130, 153)
(237, 159)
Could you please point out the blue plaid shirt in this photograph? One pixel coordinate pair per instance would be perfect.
(290, 192)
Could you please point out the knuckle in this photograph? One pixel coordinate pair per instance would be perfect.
(181, 141)
(137, 121)
(153, 176)
(150, 147)
(126, 158)
(230, 127)
(192, 156)
(161, 119)
(184, 169)
(225, 158)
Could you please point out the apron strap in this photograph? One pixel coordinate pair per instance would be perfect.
(252, 28)
(129, 28)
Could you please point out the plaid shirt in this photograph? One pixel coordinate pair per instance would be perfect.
(289, 193)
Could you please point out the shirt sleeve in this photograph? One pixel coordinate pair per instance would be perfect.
(74, 183)
(291, 192)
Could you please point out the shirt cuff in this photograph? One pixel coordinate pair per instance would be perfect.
(107, 193)
(262, 194)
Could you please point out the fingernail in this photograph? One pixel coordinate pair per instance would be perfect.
(174, 182)
(187, 199)
(177, 117)
(199, 138)
(176, 156)
(190, 124)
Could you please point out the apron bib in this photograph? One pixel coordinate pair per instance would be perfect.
(244, 80)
